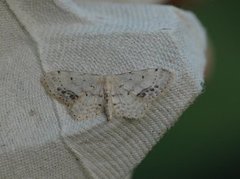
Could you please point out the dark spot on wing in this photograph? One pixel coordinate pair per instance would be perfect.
(141, 94)
(58, 72)
(152, 89)
(99, 104)
(144, 92)
(156, 86)
(142, 77)
(71, 78)
(72, 96)
(86, 94)
(67, 94)
(156, 69)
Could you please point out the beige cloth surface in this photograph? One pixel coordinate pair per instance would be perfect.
(123, 1)
(38, 139)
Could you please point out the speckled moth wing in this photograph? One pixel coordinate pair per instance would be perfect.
(81, 93)
(134, 90)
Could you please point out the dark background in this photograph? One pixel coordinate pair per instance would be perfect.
(205, 142)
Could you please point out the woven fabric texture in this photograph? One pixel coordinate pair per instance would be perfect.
(38, 139)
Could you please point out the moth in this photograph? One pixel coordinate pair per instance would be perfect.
(126, 95)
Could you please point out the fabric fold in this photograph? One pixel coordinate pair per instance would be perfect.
(93, 38)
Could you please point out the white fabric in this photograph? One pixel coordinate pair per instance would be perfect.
(38, 139)
(122, 1)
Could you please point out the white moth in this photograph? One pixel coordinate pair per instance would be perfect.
(124, 95)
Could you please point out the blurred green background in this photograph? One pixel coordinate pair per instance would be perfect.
(205, 142)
